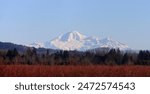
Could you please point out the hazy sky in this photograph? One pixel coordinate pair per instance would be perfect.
(27, 21)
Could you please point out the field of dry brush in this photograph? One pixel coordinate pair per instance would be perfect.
(73, 71)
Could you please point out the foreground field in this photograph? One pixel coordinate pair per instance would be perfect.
(73, 71)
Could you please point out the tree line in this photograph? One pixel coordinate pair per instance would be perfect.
(60, 57)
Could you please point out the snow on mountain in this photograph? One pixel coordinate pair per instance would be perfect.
(77, 41)
(110, 43)
(69, 41)
(72, 36)
(36, 45)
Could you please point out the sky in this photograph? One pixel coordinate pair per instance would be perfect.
(28, 21)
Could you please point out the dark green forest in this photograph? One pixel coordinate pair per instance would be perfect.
(60, 57)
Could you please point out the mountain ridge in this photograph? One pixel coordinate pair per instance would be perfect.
(76, 41)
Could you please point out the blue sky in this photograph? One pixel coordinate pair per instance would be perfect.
(27, 21)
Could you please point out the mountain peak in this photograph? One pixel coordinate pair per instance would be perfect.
(72, 36)
(110, 43)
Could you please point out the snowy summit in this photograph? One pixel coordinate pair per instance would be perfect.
(77, 41)
(72, 36)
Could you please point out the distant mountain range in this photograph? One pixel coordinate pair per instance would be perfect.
(77, 41)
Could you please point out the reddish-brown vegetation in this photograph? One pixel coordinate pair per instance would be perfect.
(73, 71)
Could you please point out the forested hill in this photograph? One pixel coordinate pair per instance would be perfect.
(10, 46)
(5, 46)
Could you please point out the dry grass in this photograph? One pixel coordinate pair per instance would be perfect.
(73, 71)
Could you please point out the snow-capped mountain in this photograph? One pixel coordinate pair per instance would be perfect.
(110, 43)
(69, 41)
(71, 36)
(77, 41)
